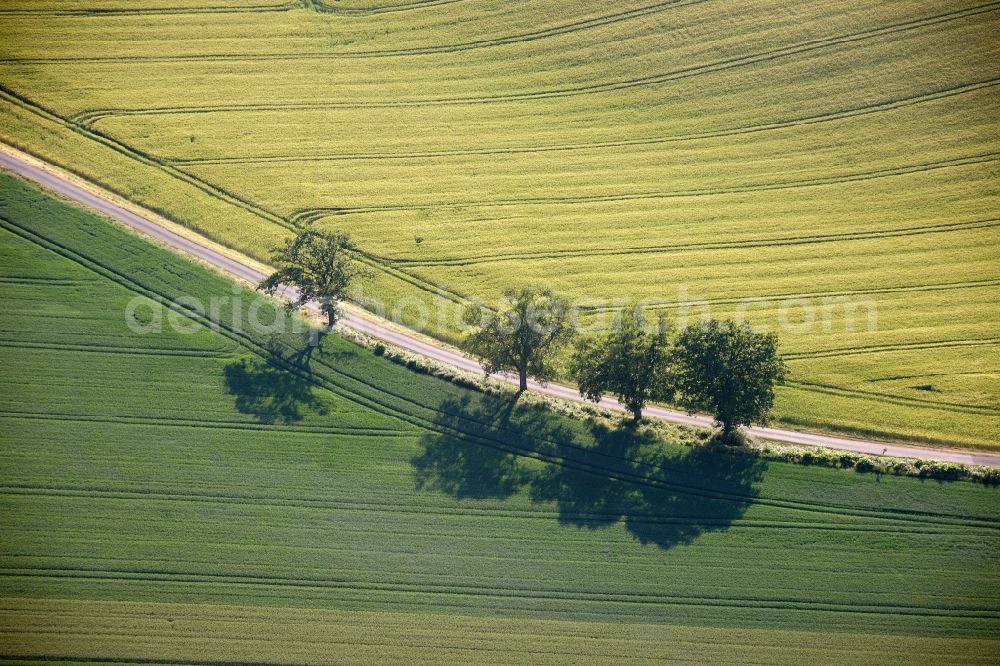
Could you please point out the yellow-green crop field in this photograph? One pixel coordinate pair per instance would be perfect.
(802, 155)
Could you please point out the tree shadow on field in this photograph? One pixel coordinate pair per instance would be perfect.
(595, 476)
(271, 393)
(451, 464)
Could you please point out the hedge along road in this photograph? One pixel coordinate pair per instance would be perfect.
(244, 269)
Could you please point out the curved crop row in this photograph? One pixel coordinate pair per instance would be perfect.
(92, 116)
(707, 245)
(524, 37)
(310, 215)
(831, 116)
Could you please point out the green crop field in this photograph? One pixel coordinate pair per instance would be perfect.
(801, 154)
(207, 493)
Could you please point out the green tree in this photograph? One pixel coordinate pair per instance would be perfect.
(630, 362)
(318, 266)
(523, 336)
(729, 370)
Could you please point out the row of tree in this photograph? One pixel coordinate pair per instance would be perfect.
(722, 368)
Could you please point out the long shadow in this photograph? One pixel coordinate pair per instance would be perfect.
(450, 464)
(272, 394)
(595, 476)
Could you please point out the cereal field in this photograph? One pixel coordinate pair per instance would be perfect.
(761, 158)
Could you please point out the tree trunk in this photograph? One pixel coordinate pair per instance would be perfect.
(331, 317)
(637, 414)
(729, 433)
(523, 376)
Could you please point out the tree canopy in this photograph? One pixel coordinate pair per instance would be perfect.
(318, 266)
(520, 338)
(729, 370)
(631, 362)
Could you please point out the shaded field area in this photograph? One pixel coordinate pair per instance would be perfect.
(674, 152)
(207, 493)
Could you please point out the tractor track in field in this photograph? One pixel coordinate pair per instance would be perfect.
(520, 38)
(153, 11)
(89, 117)
(309, 215)
(906, 401)
(443, 355)
(108, 349)
(742, 244)
(767, 298)
(831, 116)
(863, 525)
(324, 645)
(456, 588)
(217, 424)
(39, 280)
(322, 6)
(903, 346)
